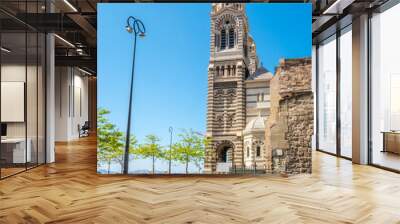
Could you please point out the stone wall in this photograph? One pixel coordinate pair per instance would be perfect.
(289, 128)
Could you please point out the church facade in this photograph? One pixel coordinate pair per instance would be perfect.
(238, 101)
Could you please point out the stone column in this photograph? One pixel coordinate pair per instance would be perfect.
(50, 93)
(360, 90)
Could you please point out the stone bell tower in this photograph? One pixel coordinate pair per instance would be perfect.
(228, 69)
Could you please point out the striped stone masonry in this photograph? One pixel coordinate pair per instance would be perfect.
(226, 97)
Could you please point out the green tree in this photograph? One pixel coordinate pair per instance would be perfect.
(133, 145)
(199, 152)
(190, 148)
(132, 150)
(110, 139)
(170, 153)
(151, 149)
(116, 144)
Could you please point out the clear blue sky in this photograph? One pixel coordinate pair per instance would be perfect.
(171, 66)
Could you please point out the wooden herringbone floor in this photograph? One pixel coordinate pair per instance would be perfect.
(70, 191)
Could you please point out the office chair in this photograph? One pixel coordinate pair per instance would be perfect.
(84, 130)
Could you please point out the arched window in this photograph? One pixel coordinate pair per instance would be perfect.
(223, 39)
(231, 38)
(217, 71)
(229, 70)
(222, 71)
(248, 152)
(216, 40)
(258, 152)
(234, 70)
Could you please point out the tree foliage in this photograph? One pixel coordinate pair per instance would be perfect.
(151, 149)
(170, 154)
(132, 150)
(111, 141)
(109, 138)
(190, 148)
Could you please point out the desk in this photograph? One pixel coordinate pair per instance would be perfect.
(13, 150)
(391, 141)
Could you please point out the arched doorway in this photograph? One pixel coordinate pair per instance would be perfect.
(225, 156)
(225, 151)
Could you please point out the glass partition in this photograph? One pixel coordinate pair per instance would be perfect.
(385, 89)
(23, 91)
(327, 95)
(346, 92)
(14, 153)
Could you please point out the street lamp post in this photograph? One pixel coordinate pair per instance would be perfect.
(136, 27)
(170, 149)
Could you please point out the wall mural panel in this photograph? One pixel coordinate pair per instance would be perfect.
(233, 101)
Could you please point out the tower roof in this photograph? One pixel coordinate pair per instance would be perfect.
(261, 73)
